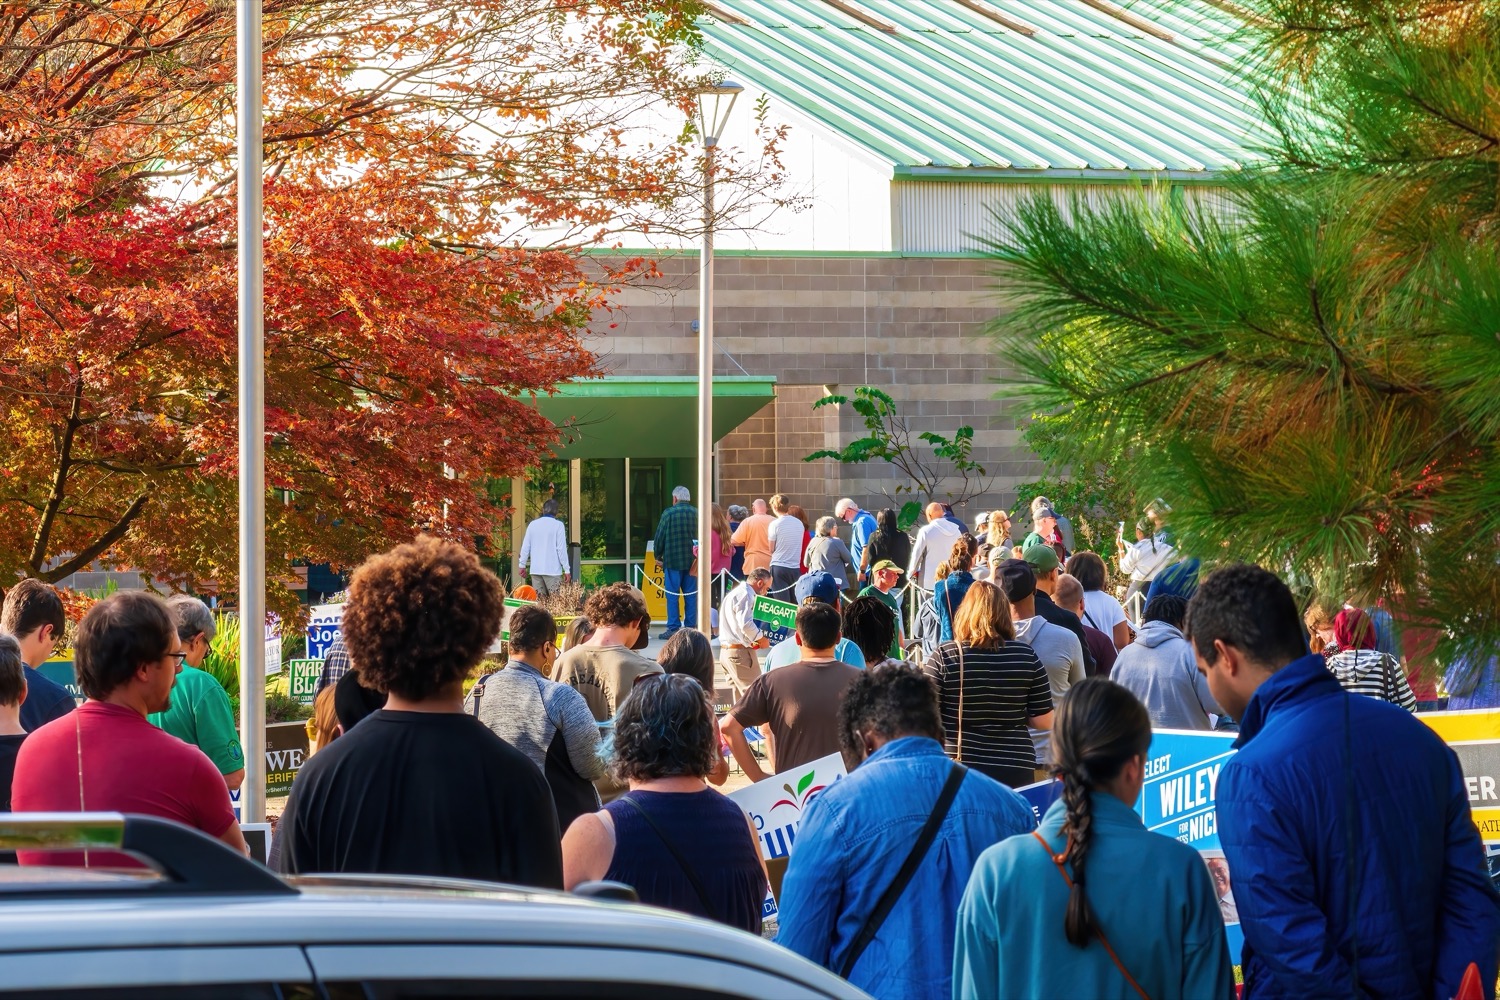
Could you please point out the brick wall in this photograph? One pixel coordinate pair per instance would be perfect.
(909, 325)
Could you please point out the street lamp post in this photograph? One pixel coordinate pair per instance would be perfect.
(252, 420)
(714, 105)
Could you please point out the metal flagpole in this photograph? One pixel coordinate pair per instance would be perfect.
(252, 427)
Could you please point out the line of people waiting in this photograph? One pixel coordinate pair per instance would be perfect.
(1086, 902)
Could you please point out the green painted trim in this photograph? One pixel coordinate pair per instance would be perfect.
(665, 387)
(989, 175)
(658, 252)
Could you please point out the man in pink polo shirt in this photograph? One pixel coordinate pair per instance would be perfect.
(127, 656)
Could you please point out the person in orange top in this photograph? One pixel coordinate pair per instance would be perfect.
(752, 534)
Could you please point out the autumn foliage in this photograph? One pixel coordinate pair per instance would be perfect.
(409, 145)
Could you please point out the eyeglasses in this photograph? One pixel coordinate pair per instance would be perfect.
(179, 657)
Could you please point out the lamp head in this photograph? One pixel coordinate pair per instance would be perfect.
(714, 104)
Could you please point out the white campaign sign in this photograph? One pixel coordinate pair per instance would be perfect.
(776, 806)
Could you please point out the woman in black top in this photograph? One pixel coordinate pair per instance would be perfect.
(681, 844)
(991, 688)
(888, 542)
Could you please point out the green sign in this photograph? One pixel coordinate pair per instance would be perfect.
(305, 674)
(777, 619)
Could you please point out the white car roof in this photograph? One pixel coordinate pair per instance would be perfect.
(335, 910)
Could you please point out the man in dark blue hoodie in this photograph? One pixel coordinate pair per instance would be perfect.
(1346, 822)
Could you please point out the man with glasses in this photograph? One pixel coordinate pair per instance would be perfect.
(106, 756)
(200, 712)
(33, 613)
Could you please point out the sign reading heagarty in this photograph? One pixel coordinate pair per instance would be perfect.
(777, 619)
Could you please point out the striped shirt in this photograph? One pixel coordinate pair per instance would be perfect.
(1002, 688)
(1369, 672)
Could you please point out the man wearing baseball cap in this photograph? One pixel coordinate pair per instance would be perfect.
(1044, 564)
(800, 702)
(821, 588)
(884, 576)
(861, 524)
(1061, 654)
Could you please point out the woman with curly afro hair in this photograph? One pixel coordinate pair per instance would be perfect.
(419, 787)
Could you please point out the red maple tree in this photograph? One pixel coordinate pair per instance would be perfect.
(407, 145)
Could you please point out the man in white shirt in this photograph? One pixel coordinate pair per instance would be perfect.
(786, 534)
(739, 636)
(933, 547)
(545, 550)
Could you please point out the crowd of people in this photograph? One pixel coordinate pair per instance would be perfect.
(1357, 866)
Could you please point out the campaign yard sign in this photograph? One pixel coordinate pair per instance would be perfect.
(777, 619)
(322, 628)
(60, 670)
(286, 752)
(776, 806)
(1177, 801)
(304, 679)
(1475, 738)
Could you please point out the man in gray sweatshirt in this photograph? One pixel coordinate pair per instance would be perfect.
(1159, 669)
(1059, 650)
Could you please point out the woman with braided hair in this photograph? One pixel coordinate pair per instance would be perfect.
(1093, 904)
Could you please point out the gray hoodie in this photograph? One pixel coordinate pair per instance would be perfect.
(1062, 656)
(1159, 669)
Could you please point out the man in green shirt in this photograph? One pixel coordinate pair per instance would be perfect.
(886, 575)
(199, 712)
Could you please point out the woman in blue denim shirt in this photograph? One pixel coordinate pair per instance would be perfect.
(856, 835)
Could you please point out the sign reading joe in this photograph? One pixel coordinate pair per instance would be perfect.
(322, 628)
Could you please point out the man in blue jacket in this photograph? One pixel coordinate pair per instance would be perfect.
(1345, 821)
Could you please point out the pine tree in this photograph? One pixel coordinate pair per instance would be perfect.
(1310, 372)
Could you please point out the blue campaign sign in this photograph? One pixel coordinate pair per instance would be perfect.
(322, 628)
(1182, 775)
(61, 672)
(1177, 801)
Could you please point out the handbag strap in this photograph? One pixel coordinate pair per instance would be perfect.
(1099, 931)
(908, 869)
(478, 691)
(687, 869)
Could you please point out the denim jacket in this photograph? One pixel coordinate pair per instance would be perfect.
(851, 844)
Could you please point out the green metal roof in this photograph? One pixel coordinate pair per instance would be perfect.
(947, 86)
(640, 417)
